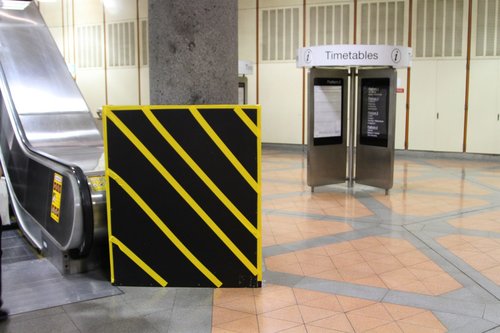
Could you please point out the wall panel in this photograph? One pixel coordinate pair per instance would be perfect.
(281, 100)
(437, 105)
(484, 107)
(247, 39)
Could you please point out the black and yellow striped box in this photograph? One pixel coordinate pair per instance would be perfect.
(184, 195)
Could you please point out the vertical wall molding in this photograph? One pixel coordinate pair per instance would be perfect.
(408, 77)
(257, 11)
(355, 19)
(467, 76)
(63, 30)
(138, 25)
(105, 54)
(73, 29)
(304, 20)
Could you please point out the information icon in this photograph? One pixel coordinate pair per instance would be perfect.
(308, 56)
(396, 55)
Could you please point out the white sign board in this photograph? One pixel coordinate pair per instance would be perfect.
(245, 67)
(327, 111)
(354, 55)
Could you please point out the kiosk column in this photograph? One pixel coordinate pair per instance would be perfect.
(374, 122)
(376, 126)
(326, 158)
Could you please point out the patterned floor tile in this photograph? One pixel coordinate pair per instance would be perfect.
(312, 311)
(373, 261)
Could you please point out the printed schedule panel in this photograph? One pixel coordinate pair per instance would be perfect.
(327, 117)
(328, 101)
(374, 111)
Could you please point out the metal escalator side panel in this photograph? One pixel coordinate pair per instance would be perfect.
(34, 66)
(44, 124)
(30, 182)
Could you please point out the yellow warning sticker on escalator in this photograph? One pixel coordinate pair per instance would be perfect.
(97, 183)
(55, 207)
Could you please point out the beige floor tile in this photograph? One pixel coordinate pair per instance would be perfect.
(311, 314)
(399, 312)
(272, 325)
(329, 302)
(296, 329)
(337, 322)
(222, 315)
(425, 319)
(388, 328)
(244, 325)
(364, 323)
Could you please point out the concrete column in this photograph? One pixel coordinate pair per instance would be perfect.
(193, 51)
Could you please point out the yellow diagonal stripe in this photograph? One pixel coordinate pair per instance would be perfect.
(225, 150)
(139, 262)
(182, 192)
(244, 117)
(105, 112)
(203, 176)
(159, 223)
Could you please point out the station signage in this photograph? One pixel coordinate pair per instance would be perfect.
(354, 55)
(245, 67)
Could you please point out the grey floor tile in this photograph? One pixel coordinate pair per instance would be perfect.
(193, 297)
(57, 323)
(478, 325)
(435, 303)
(342, 288)
(190, 319)
(282, 279)
(161, 320)
(37, 284)
(37, 314)
(162, 300)
(90, 314)
(492, 312)
(455, 321)
(125, 325)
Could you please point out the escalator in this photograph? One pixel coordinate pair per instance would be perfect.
(51, 151)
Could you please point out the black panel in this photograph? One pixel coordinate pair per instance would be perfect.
(125, 159)
(186, 130)
(189, 180)
(127, 273)
(252, 114)
(141, 235)
(374, 116)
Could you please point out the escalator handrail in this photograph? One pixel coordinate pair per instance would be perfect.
(81, 179)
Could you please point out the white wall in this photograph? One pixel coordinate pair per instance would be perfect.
(483, 134)
(484, 107)
(437, 105)
(84, 31)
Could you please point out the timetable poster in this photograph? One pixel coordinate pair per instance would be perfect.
(374, 111)
(327, 111)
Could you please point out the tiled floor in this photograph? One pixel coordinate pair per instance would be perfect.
(425, 258)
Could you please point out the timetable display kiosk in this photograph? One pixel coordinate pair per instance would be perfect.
(376, 111)
(326, 158)
(352, 111)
